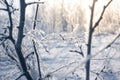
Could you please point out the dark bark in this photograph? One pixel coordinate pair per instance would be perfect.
(38, 62)
(11, 22)
(34, 45)
(36, 14)
(91, 30)
(101, 16)
(20, 39)
(89, 42)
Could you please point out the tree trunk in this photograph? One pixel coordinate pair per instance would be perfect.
(20, 38)
(89, 42)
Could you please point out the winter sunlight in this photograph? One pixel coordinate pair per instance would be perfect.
(59, 40)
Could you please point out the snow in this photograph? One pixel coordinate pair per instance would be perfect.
(62, 64)
(59, 53)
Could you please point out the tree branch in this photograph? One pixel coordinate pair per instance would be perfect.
(101, 16)
(89, 43)
(8, 54)
(14, 10)
(37, 56)
(34, 45)
(61, 37)
(35, 18)
(20, 76)
(20, 35)
(11, 22)
(27, 4)
(79, 52)
(3, 39)
(3, 9)
(48, 75)
(109, 45)
(29, 55)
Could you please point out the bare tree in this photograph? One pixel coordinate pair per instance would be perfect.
(17, 43)
(92, 27)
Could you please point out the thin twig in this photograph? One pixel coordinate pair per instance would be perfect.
(20, 76)
(35, 18)
(29, 55)
(3, 9)
(3, 41)
(105, 61)
(37, 56)
(79, 52)
(59, 69)
(10, 20)
(61, 37)
(14, 10)
(8, 54)
(101, 16)
(34, 45)
(109, 45)
(34, 3)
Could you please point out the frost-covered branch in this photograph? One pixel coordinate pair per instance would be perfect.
(49, 74)
(109, 45)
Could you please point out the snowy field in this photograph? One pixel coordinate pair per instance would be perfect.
(60, 37)
(60, 60)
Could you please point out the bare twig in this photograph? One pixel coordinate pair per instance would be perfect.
(14, 10)
(34, 45)
(29, 55)
(80, 47)
(3, 9)
(101, 16)
(11, 22)
(59, 69)
(35, 18)
(79, 52)
(3, 41)
(98, 73)
(20, 76)
(34, 3)
(61, 37)
(45, 48)
(106, 61)
(2, 2)
(109, 45)
(38, 62)
(8, 54)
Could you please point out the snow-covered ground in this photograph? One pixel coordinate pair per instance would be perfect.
(60, 62)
